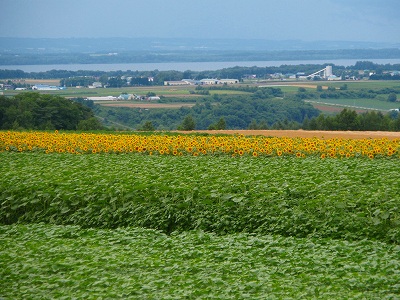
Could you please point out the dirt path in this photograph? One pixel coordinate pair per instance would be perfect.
(150, 105)
(310, 134)
(295, 84)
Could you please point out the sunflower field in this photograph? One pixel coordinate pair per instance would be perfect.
(189, 216)
(195, 145)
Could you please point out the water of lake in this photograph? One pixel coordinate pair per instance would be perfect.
(184, 66)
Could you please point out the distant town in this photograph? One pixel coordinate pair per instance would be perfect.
(19, 80)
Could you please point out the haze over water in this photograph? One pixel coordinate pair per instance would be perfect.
(184, 66)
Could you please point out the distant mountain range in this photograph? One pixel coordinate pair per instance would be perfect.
(109, 45)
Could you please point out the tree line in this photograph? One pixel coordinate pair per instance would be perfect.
(342, 92)
(350, 120)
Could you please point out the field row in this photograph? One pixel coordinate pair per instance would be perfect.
(195, 145)
(68, 262)
(336, 198)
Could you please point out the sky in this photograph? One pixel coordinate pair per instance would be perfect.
(307, 20)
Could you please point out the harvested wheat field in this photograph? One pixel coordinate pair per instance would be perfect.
(310, 134)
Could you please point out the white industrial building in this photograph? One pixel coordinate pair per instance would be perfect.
(325, 73)
(45, 87)
(228, 81)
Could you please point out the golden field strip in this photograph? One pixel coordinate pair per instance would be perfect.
(194, 145)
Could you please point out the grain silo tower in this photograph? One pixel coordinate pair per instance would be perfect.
(328, 72)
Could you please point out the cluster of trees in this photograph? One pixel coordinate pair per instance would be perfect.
(386, 76)
(252, 114)
(350, 120)
(237, 112)
(45, 112)
(78, 81)
(342, 92)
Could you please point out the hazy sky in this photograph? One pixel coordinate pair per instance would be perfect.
(308, 20)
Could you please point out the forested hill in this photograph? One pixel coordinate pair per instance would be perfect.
(259, 110)
(44, 112)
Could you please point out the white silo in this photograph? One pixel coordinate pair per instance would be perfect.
(328, 71)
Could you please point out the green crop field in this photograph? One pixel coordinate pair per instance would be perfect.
(371, 104)
(364, 84)
(133, 226)
(99, 92)
(68, 262)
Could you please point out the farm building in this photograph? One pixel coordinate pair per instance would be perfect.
(126, 97)
(209, 81)
(228, 81)
(45, 87)
(333, 77)
(102, 98)
(152, 98)
(180, 82)
(95, 85)
(191, 81)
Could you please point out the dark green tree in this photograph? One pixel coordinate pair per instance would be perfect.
(116, 82)
(302, 90)
(331, 88)
(347, 120)
(392, 97)
(147, 126)
(188, 124)
(90, 124)
(151, 94)
(221, 124)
